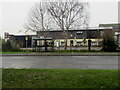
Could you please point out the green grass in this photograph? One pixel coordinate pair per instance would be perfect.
(15, 52)
(61, 51)
(59, 78)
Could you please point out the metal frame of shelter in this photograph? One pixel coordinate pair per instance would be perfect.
(43, 44)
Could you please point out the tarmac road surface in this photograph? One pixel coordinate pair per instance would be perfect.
(60, 62)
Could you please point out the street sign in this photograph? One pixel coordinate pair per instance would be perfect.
(26, 38)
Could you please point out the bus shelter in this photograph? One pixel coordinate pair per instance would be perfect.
(43, 44)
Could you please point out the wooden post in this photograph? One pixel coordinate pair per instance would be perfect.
(89, 44)
(45, 45)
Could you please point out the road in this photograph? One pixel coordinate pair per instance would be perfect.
(61, 62)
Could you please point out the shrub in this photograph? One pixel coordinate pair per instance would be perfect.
(109, 44)
(9, 46)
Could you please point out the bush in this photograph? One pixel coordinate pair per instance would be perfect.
(9, 46)
(3, 45)
(109, 44)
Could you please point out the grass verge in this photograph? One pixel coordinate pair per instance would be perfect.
(59, 78)
(61, 51)
(15, 52)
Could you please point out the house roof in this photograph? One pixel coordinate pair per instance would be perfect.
(111, 24)
(114, 25)
(23, 33)
(30, 33)
(85, 29)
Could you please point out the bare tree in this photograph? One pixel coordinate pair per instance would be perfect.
(67, 15)
(39, 19)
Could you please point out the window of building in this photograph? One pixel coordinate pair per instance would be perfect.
(79, 43)
(94, 43)
(62, 43)
(101, 33)
(79, 32)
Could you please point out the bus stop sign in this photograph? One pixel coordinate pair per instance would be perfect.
(26, 38)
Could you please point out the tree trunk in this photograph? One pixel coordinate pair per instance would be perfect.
(66, 37)
(65, 48)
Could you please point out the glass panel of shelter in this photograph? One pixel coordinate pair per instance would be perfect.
(43, 44)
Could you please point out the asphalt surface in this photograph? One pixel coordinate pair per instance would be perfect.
(60, 62)
(63, 54)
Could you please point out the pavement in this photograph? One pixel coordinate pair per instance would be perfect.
(60, 62)
(70, 48)
(63, 54)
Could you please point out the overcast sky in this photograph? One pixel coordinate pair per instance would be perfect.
(15, 14)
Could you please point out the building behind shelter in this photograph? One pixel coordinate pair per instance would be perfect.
(116, 29)
(75, 37)
(20, 39)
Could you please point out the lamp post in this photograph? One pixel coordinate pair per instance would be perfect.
(71, 42)
(26, 38)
